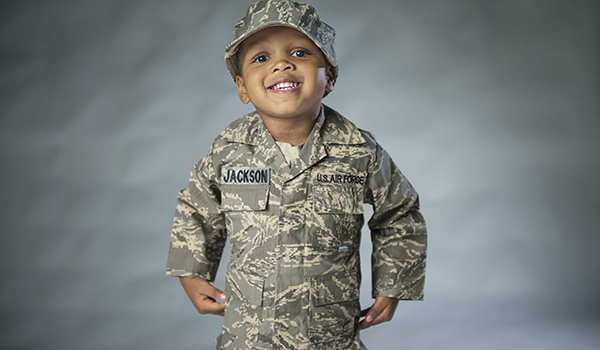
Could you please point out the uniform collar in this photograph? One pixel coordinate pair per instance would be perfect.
(331, 127)
(338, 130)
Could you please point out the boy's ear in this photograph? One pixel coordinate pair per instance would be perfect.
(330, 79)
(239, 82)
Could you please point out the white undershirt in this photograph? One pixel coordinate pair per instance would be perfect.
(289, 152)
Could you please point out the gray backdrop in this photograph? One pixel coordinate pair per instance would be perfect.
(491, 108)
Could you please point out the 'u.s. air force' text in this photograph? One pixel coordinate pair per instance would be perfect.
(245, 176)
(340, 179)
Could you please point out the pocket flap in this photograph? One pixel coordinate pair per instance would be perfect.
(244, 197)
(335, 288)
(337, 200)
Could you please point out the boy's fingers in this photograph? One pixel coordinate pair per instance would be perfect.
(202, 286)
(205, 304)
(219, 309)
(382, 311)
(363, 324)
(203, 295)
(217, 294)
(376, 309)
(369, 317)
(211, 291)
(209, 306)
(371, 314)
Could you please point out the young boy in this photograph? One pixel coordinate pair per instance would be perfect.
(287, 184)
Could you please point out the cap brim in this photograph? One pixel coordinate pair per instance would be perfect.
(231, 49)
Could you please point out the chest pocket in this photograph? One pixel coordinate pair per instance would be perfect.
(337, 217)
(246, 219)
(244, 197)
(331, 199)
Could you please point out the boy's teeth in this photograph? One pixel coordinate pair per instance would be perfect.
(285, 86)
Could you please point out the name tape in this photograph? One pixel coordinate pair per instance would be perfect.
(340, 179)
(245, 176)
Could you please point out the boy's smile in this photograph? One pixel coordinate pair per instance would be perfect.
(284, 85)
(283, 73)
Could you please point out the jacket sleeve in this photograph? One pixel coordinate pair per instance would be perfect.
(398, 231)
(198, 235)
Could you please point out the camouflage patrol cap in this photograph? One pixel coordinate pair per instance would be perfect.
(272, 13)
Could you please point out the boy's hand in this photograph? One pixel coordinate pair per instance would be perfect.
(203, 295)
(382, 311)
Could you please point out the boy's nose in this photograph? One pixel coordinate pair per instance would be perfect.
(282, 64)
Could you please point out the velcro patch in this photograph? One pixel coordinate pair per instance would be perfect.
(340, 179)
(245, 176)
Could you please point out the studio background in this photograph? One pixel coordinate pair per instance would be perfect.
(490, 108)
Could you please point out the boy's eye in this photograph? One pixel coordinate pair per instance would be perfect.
(261, 59)
(299, 53)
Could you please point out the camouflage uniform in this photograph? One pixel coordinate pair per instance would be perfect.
(294, 275)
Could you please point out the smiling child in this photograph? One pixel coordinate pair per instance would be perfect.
(287, 185)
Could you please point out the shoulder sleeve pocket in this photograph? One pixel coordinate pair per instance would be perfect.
(244, 197)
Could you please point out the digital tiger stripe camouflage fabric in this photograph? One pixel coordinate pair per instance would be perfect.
(294, 275)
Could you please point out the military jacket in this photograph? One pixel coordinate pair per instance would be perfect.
(294, 274)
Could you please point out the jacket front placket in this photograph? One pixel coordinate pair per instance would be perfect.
(285, 293)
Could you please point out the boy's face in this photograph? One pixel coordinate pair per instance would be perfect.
(283, 73)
